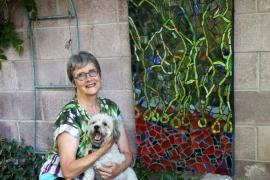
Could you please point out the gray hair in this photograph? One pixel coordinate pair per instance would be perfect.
(80, 60)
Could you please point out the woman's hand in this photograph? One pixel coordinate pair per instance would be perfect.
(108, 144)
(70, 166)
(110, 171)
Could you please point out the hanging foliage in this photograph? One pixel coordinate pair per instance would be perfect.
(8, 34)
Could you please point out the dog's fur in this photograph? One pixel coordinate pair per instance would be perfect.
(100, 127)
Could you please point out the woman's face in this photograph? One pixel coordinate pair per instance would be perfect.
(91, 85)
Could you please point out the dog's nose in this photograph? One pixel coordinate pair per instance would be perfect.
(96, 127)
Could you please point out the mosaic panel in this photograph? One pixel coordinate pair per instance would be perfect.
(182, 64)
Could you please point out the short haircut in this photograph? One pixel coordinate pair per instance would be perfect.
(80, 60)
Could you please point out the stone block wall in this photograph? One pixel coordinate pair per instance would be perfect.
(103, 30)
(251, 88)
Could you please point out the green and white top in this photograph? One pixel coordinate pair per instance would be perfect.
(74, 119)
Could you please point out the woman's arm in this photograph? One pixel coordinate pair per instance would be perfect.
(124, 148)
(114, 169)
(70, 166)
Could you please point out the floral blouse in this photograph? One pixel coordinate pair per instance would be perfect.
(73, 119)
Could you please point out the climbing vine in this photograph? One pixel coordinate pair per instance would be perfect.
(8, 34)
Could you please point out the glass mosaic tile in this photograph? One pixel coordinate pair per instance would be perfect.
(182, 64)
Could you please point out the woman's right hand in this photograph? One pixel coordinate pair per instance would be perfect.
(72, 167)
(108, 143)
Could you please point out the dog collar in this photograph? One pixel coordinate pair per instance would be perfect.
(93, 147)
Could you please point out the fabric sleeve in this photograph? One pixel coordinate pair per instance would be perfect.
(120, 119)
(67, 121)
(67, 128)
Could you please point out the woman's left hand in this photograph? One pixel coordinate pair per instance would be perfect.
(110, 171)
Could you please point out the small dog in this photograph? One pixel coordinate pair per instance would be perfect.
(100, 127)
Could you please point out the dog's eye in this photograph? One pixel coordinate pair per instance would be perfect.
(104, 124)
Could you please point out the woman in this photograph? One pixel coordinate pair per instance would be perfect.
(66, 158)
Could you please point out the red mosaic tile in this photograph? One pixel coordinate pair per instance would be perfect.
(144, 150)
(209, 150)
(188, 151)
(200, 168)
(190, 162)
(166, 144)
(206, 159)
(174, 158)
(199, 159)
(156, 166)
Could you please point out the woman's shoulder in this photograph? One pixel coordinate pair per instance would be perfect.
(107, 101)
(70, 107)
(110, 107)
(71, 104)
(107, 105)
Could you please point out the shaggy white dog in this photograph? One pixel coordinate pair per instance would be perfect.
(100, 127)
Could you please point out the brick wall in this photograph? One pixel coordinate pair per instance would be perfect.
(103, 29)
(252, 95)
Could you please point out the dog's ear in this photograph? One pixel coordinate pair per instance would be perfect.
(116, 132)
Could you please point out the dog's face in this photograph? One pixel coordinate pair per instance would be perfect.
(100, 127)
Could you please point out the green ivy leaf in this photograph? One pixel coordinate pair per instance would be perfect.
(9, 148)
(3, 57)
(14, 150)
(34, 14)
(13, 33)
(11, 26)
(19, 49)
(16, 162)
(15, 41)
(34, 7)
(19, 41)
(6, 177)
(22, 142)
(28, 8)
(32, 173)
(7, 36)
(4, 43)
(33, 158)
(29, 149)
(6, 30)
(1, 50)
(26, 2)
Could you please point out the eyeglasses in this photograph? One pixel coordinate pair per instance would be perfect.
(82, 76)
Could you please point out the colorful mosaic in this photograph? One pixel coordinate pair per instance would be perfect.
(182, 83)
